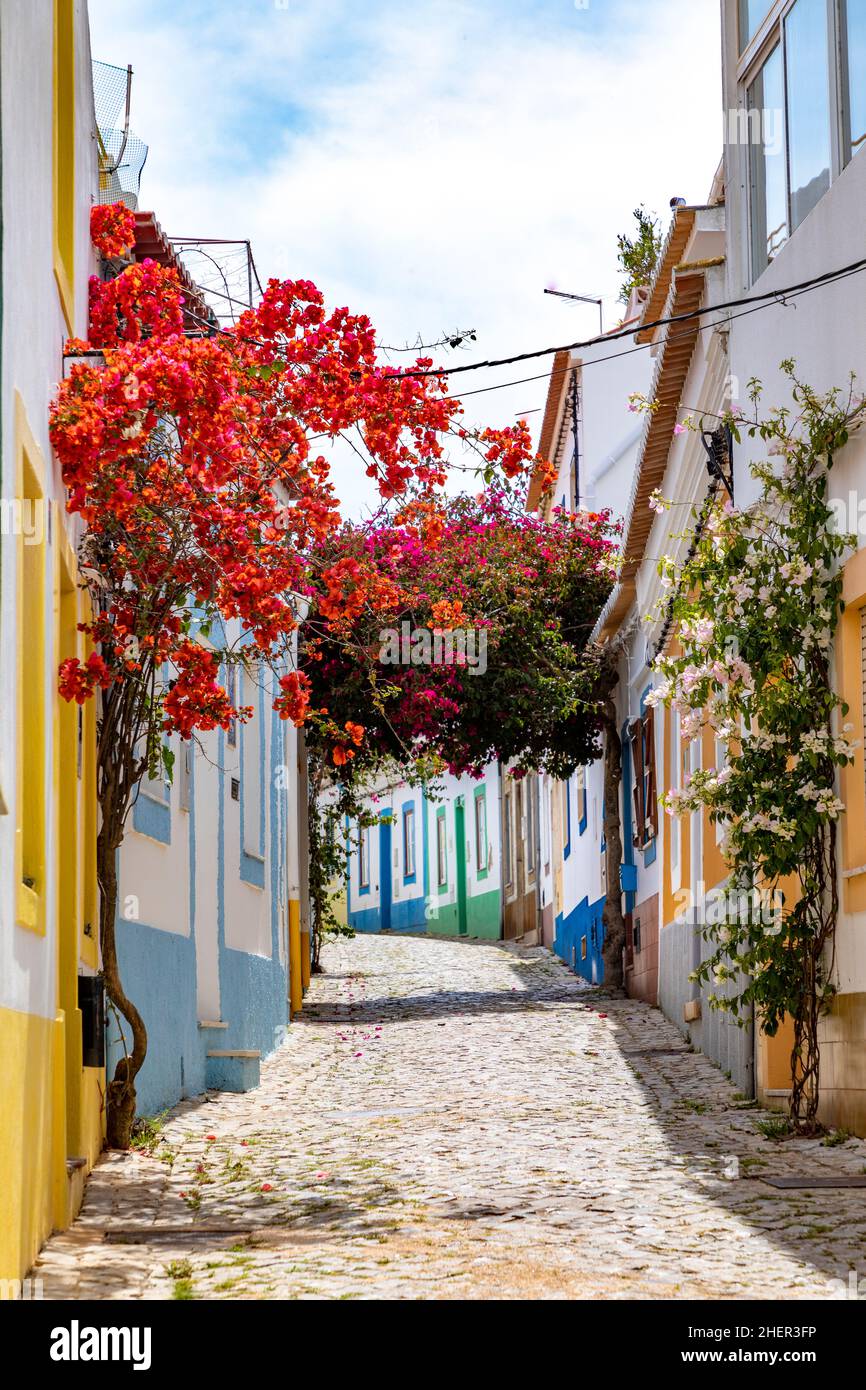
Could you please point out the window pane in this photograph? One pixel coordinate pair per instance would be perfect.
(855, 29)
(808, 106)
(364, 857)
(442, 865)
(766, 133)
(481, 833)
(751, 14)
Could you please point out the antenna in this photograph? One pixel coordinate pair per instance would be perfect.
(584, 299)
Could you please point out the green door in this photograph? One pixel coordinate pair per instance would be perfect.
(460, 848)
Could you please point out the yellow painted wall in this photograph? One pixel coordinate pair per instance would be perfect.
(848, 664)
(295, 970)
(28, 1176)
(51, 1107)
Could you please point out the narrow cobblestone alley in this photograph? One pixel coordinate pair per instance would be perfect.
(458, 1119)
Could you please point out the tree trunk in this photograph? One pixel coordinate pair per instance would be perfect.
(815, 932)
(121, 1098)
(612, 918)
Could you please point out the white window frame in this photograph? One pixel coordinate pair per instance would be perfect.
(408, 841)
(442, 851)
(481, 851)
(252, 734)
(675, 822)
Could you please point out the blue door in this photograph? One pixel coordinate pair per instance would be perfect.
(384, 875)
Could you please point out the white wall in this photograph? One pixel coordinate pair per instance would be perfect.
(34, 330)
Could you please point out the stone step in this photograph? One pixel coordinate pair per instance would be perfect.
(234, 1052)
(232, 1069)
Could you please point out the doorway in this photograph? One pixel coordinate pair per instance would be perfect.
(384, 875)
(460, 849)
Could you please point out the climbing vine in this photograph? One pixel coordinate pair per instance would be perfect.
(756, 608)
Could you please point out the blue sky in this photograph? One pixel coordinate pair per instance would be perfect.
(435, 164)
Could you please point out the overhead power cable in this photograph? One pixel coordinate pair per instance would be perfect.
(767, 299)
(672, 337)
(759, 300)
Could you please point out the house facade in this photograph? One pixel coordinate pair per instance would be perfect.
(431, 861)
(593, 438)
(794, 83)
(686, 457)
(210, 899)
(212, 873)
(51, 1100)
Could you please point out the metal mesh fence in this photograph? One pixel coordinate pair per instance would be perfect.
(121, 154)
(224, 271)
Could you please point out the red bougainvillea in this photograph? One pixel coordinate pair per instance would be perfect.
(472, 646)
(194, 463)
(112, 229)
(199, 467)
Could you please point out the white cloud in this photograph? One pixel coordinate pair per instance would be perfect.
(436, 166)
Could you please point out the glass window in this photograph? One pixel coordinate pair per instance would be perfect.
(751, 14)
(808, 114)
(854, 74)
(409, 842)
(581, 798)
(481, 833)
(766, 103)
(364, 856)
(441, 851)
(531, 847)
(232, 697)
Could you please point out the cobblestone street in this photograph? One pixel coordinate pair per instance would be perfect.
(457, 1119)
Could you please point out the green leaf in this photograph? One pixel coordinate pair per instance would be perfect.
(167, 762)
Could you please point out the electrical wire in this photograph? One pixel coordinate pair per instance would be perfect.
(766, 300)
(758, 300)
(838, 275)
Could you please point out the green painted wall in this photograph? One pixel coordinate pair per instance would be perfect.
(483, 917)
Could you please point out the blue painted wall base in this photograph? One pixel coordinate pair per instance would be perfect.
(233, 1073)
(582, 924)
(158, 972)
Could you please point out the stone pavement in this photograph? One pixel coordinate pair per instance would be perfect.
(465, 1120)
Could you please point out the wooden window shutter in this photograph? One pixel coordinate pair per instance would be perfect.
(636, 735)
(652, 807)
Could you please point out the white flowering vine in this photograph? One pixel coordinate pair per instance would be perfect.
(756, 608)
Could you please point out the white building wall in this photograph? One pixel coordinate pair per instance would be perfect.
(34, 331)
